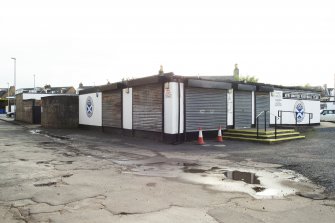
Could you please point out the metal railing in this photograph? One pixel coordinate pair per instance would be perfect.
(265, 122)
(280, 115)
(257, 122)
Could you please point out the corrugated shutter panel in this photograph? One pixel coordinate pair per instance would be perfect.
(243, 109)
(205, 108)
(148, 108)
(262, 104)
(111, 109)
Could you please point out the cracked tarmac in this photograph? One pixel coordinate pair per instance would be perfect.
(93, 177)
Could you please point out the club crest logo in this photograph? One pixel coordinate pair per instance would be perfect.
(299, 111)
(89, 106)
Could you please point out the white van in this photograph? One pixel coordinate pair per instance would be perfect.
(327, 115)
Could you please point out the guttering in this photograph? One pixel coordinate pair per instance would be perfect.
(265, 88)
(208, 84)
(244, 87)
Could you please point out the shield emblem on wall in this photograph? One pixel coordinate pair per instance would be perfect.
(89, 106)
(299, 111)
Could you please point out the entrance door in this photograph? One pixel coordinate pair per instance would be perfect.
(148, 108)
(111, 109)
(36, 114)
(243, 109)
(205, 108)
(263, 104)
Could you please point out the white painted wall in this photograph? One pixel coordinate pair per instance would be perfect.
(253, 107)
(96, 118)
(127, 104)
(278, 103)
(171, 108)
(230, 107)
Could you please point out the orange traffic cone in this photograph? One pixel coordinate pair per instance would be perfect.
(219, 138)
(200, 138)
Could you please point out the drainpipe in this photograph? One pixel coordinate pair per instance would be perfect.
(178, 137)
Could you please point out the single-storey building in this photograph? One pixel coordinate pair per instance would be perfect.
(28, 102)
(295, 106)
(173, 108)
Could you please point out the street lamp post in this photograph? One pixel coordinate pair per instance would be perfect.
(13, 58)
(8, 97)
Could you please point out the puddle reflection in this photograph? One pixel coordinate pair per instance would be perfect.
(246, 177)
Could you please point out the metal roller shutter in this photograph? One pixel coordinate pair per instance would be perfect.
(111, 109)
(148, 108)
(262, 104)
(243, 109)
(205, 108)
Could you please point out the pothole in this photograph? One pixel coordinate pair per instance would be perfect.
(126, 213)
(58, 137)
(23, 160)
(45, 184)
(45, 143)
(187, 170)
(312, 196)
(68, 162)
(190, 164)
(68, 154)
(151, 184)
(42, 162)
(67, 175)
(246, 177)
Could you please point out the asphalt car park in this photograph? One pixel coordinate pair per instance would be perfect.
(53, 175)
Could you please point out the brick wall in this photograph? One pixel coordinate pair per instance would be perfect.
(60, 112)
(24, 109)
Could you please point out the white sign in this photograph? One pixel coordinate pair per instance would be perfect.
(90, 109)
(167, 93)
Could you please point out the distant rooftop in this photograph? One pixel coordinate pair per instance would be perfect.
(47, 90)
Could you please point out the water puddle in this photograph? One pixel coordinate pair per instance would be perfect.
(40, 132)
(35, 131)
(246, 177)
(259, 189)
(259, 183)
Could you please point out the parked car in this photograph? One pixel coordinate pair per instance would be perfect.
(327, 115)
(10, 114)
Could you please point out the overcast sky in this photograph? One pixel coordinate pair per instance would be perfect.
(64, 42)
